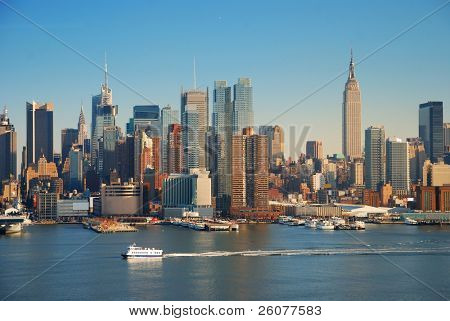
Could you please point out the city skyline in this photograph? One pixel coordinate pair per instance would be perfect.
(390, 64)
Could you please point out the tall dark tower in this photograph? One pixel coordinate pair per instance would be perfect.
(39, 131)
(431, 129)
(8, 148)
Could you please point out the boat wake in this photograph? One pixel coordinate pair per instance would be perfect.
(309, 252)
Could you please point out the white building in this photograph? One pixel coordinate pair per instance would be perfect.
(187, 192)
(68, 209)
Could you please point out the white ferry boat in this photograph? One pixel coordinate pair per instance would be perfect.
(410, 221)
(337, 220)
(134, 251)
(11, 228)
(325, 225)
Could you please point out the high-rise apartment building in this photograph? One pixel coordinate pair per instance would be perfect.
(431, 129)
(8, 148)
(222, 134)
(39, 131)
(196, 100)
(397, 166)
(357, 172)
(375, 158)
(351, 116)
(242, 105)
(249, 171)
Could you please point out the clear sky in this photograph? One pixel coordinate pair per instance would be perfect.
(288, 48)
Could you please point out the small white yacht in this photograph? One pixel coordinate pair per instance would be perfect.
(311, 223)
(325, 225)
(410, 221)
(134, 251)
(337, 220)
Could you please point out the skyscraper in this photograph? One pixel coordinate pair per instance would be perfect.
(82, 130)
(174, 149)
(431, 129)
(198, 100)
(275, 143)
(39, 131)
(351, 116)
(103, 115)
(76, 168)
(249, 171)
(446, 137)
(222, 134)
(169, 116)
(147, 117)
(397, 165)
(242, 105)
(8, 148)
(314, 149)
(417, 157)
(69, 137)
(375, 152)
(191, 134)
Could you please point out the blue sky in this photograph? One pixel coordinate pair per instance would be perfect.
(288, 48)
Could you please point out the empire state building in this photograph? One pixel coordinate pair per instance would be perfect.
(351, 116)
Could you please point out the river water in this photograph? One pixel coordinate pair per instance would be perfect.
(260, 262)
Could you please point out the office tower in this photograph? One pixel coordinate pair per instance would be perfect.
(431, 129)
(249, 171)
(146, 117)
(191, 133)
(106, 117)
(174, 149)
(69, 137)
(198, 100)
(125, 158)
(375, 153)
(351, 116)
(417, 157)
(357, 172)
(242, 105)
(103, 115)
(75, 168)
(169, 116)
(275, 143)
(82, 130)
(446, 137)
(314, 149)
(397, 165)
(109, 161)
(8, 148)
(104, 98)
(39, 131)
(221, 151)
(146, 154)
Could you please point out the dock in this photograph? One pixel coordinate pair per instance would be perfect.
(106, 226)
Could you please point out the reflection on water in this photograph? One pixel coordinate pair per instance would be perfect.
(144, 263)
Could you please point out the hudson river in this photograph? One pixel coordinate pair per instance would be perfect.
(260, 262)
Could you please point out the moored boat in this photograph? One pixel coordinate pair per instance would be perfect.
(325, 225)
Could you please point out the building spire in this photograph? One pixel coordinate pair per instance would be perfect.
(351, 71)
(195, 76)
(106, 72)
